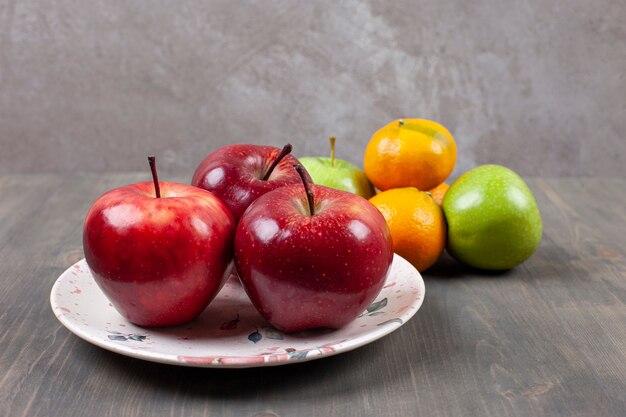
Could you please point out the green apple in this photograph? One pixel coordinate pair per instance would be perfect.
(493, 219)
(338, 174)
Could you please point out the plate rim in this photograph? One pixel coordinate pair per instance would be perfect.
(239, 361)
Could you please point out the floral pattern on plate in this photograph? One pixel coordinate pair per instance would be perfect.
(230, 332)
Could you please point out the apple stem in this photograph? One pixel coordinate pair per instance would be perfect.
(332, 151)
(307, 188)
(400, 122)
(155, 177)
(286, 151)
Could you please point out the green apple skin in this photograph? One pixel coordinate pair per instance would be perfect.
(493, 219)
(343, 175)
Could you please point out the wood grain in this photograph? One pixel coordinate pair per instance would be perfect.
(545, 339)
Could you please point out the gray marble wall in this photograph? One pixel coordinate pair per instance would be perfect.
(537, 85)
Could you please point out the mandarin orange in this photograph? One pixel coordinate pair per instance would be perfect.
(410, 153)
(417, 224)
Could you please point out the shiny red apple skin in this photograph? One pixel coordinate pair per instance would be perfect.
(302, 271)
(160, 261)
(234, 173)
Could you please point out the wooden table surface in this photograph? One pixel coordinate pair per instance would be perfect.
(547, 338)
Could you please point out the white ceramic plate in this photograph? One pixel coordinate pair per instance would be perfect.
(230, 333)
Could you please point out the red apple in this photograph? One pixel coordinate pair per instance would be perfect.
(312, 256)
(160, 252)
(239, 174)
